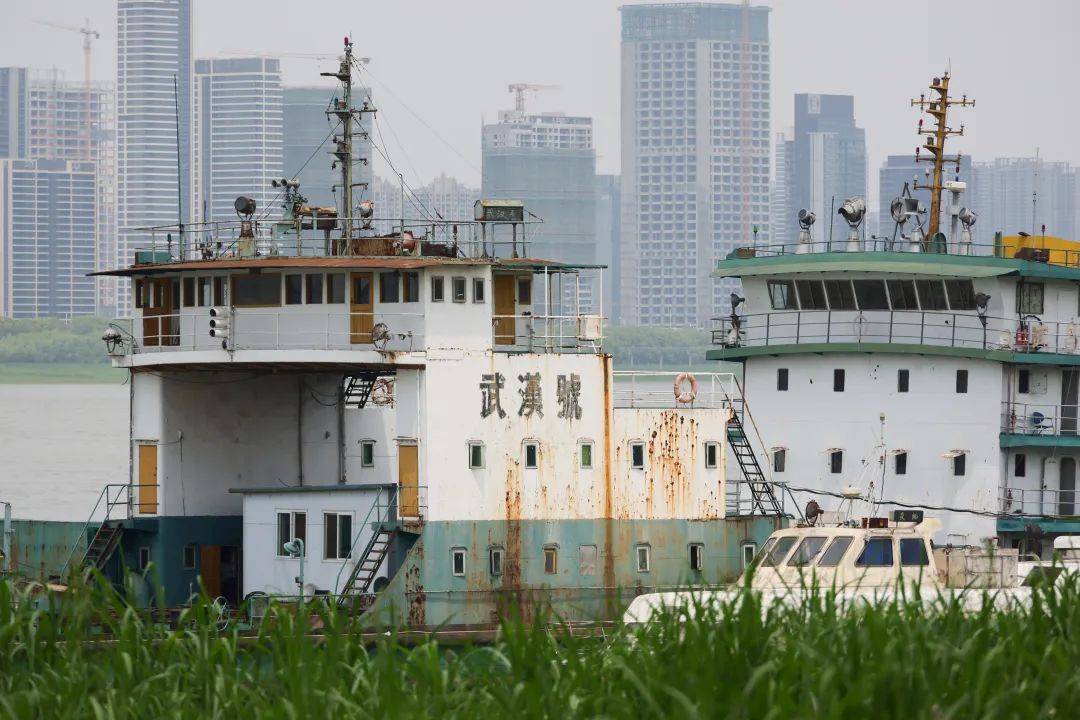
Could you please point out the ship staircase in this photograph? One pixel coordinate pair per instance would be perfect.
(359, 588)
(115, 499)
(363, 386)
(755, 494)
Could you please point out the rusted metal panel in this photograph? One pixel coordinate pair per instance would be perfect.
(40, 548)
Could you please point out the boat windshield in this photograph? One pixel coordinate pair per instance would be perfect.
(778, 552)
(835, 553)
(808, 550)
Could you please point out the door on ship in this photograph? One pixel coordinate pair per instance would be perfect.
(504, 310)
(408, 481)
(219, 569)
(146, 490)
(1070, 384)
(160, 303)
(361, 307)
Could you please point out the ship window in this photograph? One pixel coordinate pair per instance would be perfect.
(808, 550)
(174, 287)
(838, 377)
(189, 292)
(144, 557)
(637, 455)
(457, 287)
(697, 557)
(903, 380)
(587, 559)
(258, 290)
(524, 290)
(1029, 298)
(902, 294)
(836, 462)
(294, 289)
(878, 552)
(644, 556)
(781, 379)
(457, 562)
(961, 294)
(140, 293)
(1020, 465)
(314, 288)
(551, 560)
(710, 454)
(532, 450)
(389, 287)
(835, 553)
(779, 459)
(291, 526)
(337, 540)
(840, 294)
(1023, 382)
(931, 294)
(900, 463)
(749, 550)
(219, 291)
(782, 294)
(411, 287)
(779, 551)
(585, 449)
(961, 381)
(438, 289)
(495, 561)
(811, 294)
(871, 294)
(204, 291)
(189, 557)
(476, 455)
(913, 552)
(959, 465)
(367, 453)
(478, 290)
(335, 287)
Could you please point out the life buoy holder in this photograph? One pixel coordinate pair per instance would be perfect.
(682, 394)
(1070, 338)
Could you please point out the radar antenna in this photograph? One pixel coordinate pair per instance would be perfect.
(937, 108)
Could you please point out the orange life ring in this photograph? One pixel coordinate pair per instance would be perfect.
(682, 395)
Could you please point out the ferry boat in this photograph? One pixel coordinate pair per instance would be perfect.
(414, 425)
(962, 360)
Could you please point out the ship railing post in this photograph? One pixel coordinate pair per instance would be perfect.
(892, 313)
(768, 317)
(798, 327)
(922, 327)
(828, 326)
(952, 342)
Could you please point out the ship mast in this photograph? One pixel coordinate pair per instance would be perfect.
(938, 109)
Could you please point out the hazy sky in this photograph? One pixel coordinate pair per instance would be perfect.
(450, 62)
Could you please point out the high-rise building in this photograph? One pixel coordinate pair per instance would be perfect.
(154, 94)
(608, 197)
(43, 116)
(1023, 194)
(238, 134)
(547, 160)
(828, 162)
(781, 213)
(48, 237)
(444, 198)
(309, 141)
(900, 170)
(695, 154)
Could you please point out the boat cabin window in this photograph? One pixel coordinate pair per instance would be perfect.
(637, 455)
(294, 287)
(367, 453)
(959, 465)
(1023, 381)
(524, 290)
(335, 287)
(808, 550)
(219, 291)
(837, 549)
(878, 552)
(711, 451)
(189, 557)
(291, 526)
(811, 295)
(495, 561)
(457, 287)
(438, 288)
(775, 555)
(313, 288)
(389, 287)
(902, 294)
(782, 295)
(781, 379)
(836, 462)
(476, 455)
(961, 294)
(457, 562)
(840, 294)
(838, 380)
(749, 550)
(204, 291)
(410, 286)
(585, 454)
(337, 541)
(913, 552)
(697, 557)
(961, 381)
(1019, 465)
(900, 463)
(644, 557)
(551, 560)
(478, 290)
(259, 290)
(931, 294)
(903, 381)
(144, 557)
(871, 294)
(1029, 298)
(779, 460)
(532, 451)
(189, 292)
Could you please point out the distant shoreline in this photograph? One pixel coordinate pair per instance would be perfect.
(59, 373)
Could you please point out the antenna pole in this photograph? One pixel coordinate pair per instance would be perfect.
(179, 183)
(938, 110)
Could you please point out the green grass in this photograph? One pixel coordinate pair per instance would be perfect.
(897, 661)
(26, 373)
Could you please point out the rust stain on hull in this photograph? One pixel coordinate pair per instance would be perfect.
(607, 552)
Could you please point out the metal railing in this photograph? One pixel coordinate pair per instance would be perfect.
(548, 333)
(1036, 502)
(111, 497)
(644, 389)
(259, 329)
(910, 327)
(1039, 419)
(1029, 250)
(379, 512)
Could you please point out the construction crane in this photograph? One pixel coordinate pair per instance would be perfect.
(89, 35)
(519, 93)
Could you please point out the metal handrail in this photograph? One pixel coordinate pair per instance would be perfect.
(391, 502)
(717, 390)
(1015, 501)
(109, 505)
(552, 335)
(1039, 418)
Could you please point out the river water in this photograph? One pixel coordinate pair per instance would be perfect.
(59, 446)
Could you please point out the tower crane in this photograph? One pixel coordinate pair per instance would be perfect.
(89, 35)
(519, 90)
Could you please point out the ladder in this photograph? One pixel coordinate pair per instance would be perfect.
(363, 573)
(762, 498)
(102, 546)
(358, 389)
